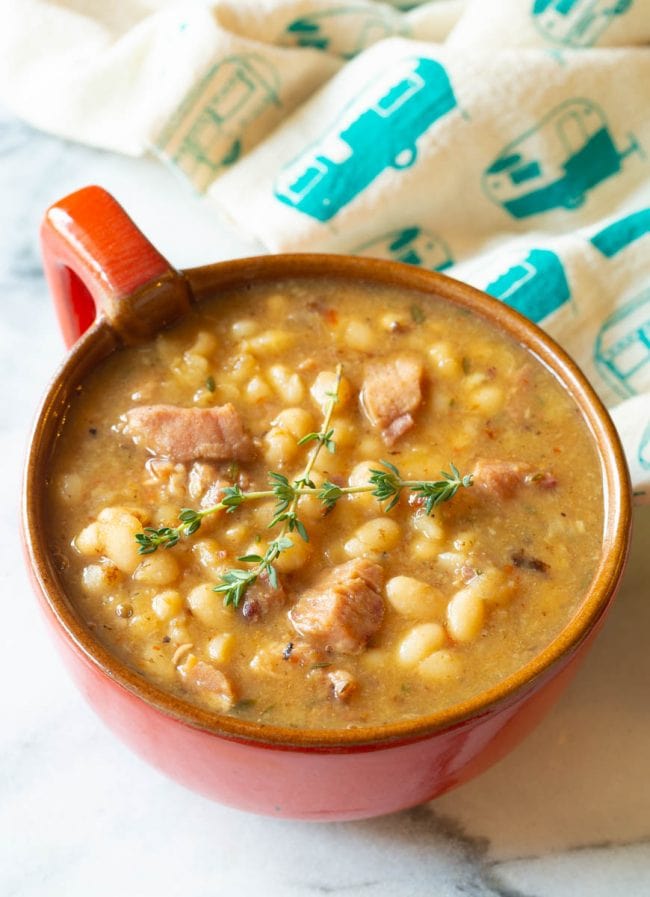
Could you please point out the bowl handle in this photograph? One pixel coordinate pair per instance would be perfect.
(97, 262)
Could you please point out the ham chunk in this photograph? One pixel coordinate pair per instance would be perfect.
(391, 393)
(342, 683)
(344, 608)
(261, 598)
(187, 434)
(502, 479)
(204, 677)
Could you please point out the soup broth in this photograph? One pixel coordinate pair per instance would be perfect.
(382, 615)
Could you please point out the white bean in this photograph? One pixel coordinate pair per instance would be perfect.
(119, 528)
(360, 336)
(428, 527)
(207, 605)
(296, 421)
(287, 383)
(280, 447)
(486, 399)
(345, 433)
(271, 342)
(445, 361)
(257, 389)
(242, 367)
(452, 560)
(414, 598)
(494, 586)
(90, 541)
(209, 555)
(420, 641)
(237, 533)
(205, 343)
(360, 476)
(441, 666)
(167, 604)
(221, 646)
(295, 557)
(157, 569)
(178, 631)
(465, 615)
(97, 579)
(423, 549)
(324, 385)
(70, 487)
(375, 536)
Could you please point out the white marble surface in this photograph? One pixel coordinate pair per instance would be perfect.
(568, 813)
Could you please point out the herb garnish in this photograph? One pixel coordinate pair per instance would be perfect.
(386, 485)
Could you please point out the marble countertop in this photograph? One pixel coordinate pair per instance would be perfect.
(568, 813)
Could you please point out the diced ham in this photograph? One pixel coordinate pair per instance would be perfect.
(261, 598)
(188, 434)
(344, 608)
(342, 683)
(397, 428)
(204, 677)
(390, 394)
(502, 479)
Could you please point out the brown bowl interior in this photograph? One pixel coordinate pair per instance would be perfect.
(207, 281)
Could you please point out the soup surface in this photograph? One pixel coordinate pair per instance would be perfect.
(382, 615)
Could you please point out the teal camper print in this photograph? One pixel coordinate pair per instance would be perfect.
(208, 131)
(576, 23)
(555, 164)
(536, 286)
(620, 234)
(622, 349)
(342, 30)
(411, 245)
(377, 130)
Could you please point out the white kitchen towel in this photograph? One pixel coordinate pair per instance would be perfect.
(503, 141)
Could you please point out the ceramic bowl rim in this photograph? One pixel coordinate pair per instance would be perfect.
(617, 511)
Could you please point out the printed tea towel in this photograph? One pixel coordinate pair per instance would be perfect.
(506, 142)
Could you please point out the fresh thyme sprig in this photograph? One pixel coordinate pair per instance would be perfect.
(385, 485)
(389, 485)
(150, 539)
(234, 583)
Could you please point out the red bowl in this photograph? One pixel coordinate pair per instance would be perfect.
(112, 287)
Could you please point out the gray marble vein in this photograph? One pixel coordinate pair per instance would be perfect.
(568, 813)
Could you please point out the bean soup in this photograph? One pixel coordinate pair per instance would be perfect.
(325, 505)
